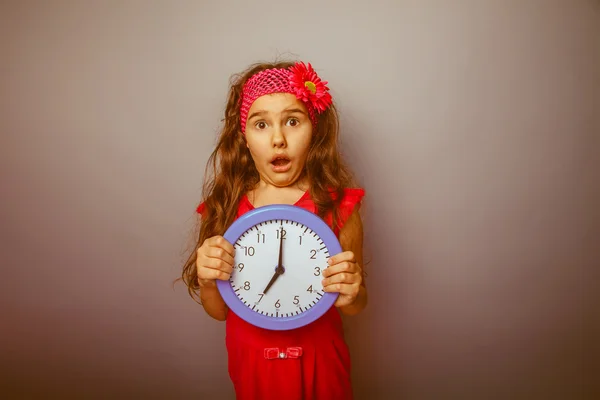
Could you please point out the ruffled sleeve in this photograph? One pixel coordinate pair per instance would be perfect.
(351, 201)
(200, 208)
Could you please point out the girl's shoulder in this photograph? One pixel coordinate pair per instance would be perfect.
(351, 196)
(354, 193)
(349, 204)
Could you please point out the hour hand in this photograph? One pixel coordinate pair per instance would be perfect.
(273, 279)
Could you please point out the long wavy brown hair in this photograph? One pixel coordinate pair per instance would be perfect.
(230, 171)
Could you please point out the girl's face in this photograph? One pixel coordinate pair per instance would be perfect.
(278, 134)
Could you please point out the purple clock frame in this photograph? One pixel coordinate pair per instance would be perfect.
(289, 213)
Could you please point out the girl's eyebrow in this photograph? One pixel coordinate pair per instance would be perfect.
(287, 110)
(256, 114)
(294, 110)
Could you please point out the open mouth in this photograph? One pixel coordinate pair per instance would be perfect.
(281, 164)
(280, 161)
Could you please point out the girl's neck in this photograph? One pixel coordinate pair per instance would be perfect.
(265, 194)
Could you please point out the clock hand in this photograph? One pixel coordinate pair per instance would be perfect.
(273, 279)
(279, 270)
(279, 266)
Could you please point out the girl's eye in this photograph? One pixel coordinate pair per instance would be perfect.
(293, 122)
(261, 125)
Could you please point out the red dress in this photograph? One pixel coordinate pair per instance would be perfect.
(317, 361)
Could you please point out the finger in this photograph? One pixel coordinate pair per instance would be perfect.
(214, 263)
(343, 256)
(343, 288)
(342, 278)
(220, 254)
(206, 283)
(212, 274)
(344, 301)
(220, 241)
(345, 266)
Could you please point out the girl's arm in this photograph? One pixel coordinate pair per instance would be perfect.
(214, 261)
(213, 302)
(351, 239)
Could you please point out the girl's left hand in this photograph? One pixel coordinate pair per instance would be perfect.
(344, 276)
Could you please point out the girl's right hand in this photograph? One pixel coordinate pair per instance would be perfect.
(214, 261)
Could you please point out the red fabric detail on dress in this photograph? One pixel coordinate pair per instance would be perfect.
(294, 352)
(273, 353)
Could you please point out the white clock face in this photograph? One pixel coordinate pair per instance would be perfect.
(304, 257)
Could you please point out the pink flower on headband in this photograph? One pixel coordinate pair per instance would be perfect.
(308, 87)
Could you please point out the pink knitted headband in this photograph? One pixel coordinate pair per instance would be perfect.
(299, 80)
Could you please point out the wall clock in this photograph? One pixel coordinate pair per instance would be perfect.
(280, 253)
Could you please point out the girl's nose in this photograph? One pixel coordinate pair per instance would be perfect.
(278, 138)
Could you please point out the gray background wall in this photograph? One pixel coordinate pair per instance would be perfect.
(472, 125)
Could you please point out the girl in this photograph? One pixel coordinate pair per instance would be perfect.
(279, 146)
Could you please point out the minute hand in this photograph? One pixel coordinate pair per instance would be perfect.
(279, 270)
(280, 265)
